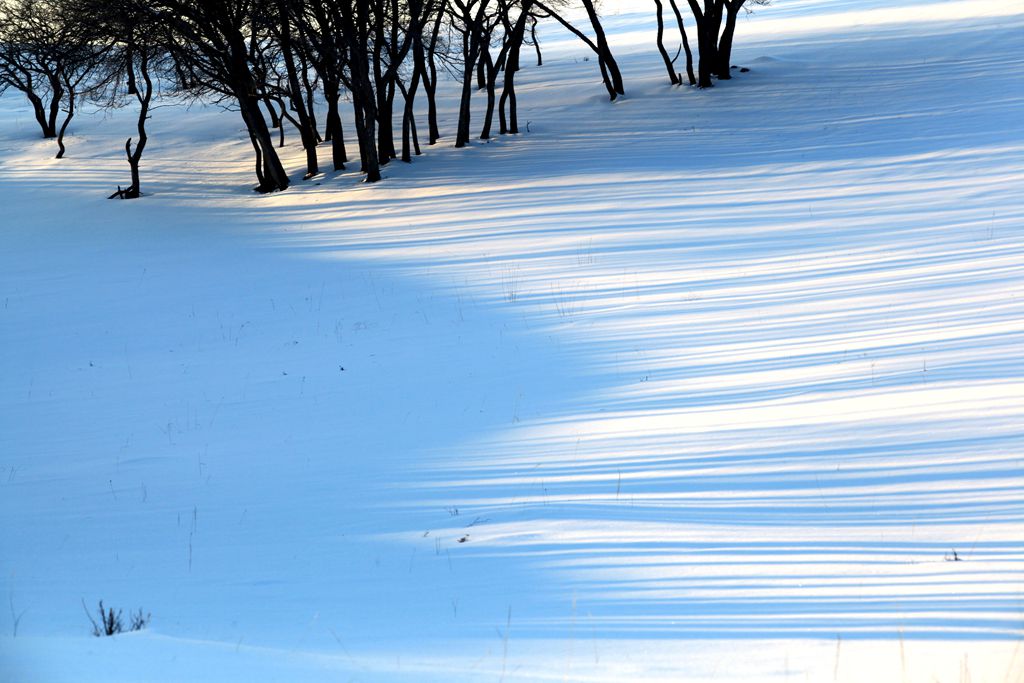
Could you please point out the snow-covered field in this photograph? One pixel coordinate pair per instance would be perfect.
(692, 386)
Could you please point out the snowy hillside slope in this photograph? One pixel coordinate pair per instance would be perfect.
(692, 386)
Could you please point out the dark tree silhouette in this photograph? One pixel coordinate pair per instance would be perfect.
(283, 59)
(614, 90)
(469, 20)
(211, 48)
(669, 61)
(509, 123)
(732, 10)
(713, 42)
(686, 43)
(283, 32)
(136, 55)
(30, 60)
(49, 51)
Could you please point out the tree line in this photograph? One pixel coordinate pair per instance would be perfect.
(281, 63)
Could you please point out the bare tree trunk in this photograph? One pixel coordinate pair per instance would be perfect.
(508, 90)
(145, 97)
(275, 120)
(307, 125)
(536, 42)
(481, 67)
(430, 77)
(385, 132)
(409, 117)
(491, 73)
(67, 120)
(605, 74)
(462, 130)
(310, 93)
(725, 43)
(604, 52)
(686, 43)
(415, 137)
(386, 122)
(281, 114)
(715, 28)
(661, 45)
(354, 18)
(271, 175)
(280, 122)
(40, 113)
(707, 41)
(366, 134)
(260, 179)
(706, 61)
(384, 82)
(57, 94)
(334, 132)
(419, 73)
(472, 42)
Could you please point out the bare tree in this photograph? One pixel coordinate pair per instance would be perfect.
(29, 63)
(685, 43)
(669, 61)
(83, 52)
(283, 29)
(211, 48)
(609, 69)
(322, 48)
(468, 19)
(509, 123)
(136, 57)
(48, 51)
(275, 58)
(713, 42)
(732, 10)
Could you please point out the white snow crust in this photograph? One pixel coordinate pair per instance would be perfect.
(692, 386)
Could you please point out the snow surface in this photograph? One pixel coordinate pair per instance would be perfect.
(691, 386)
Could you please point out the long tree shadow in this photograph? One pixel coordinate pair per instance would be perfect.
(794, 399)
(753, 375)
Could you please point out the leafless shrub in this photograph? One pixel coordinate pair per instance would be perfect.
(111, 623)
